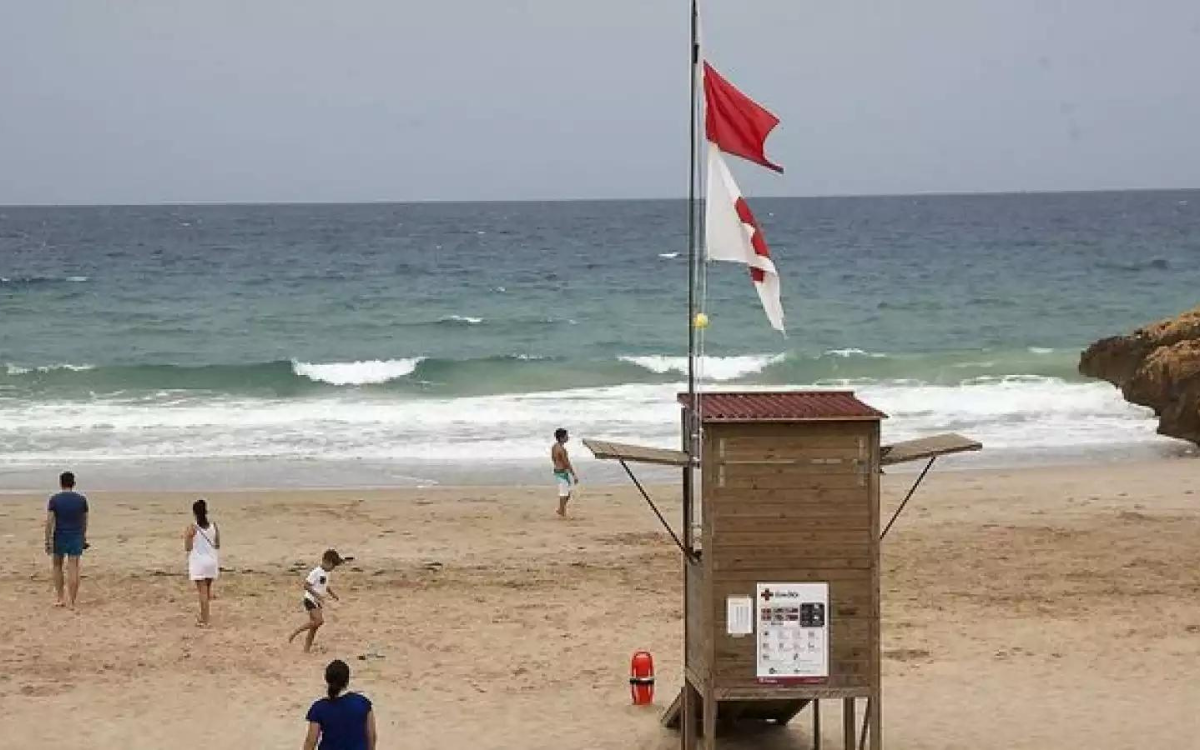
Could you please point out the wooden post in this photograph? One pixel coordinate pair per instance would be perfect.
(862, 738)
(873, 711)
(710, 719)
(848, 724)
(687, 717)
(816, 704)
(876, 715)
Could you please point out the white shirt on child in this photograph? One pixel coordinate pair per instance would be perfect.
(318, 579)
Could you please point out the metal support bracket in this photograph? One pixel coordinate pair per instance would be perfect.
(908, 497)
(687, 553)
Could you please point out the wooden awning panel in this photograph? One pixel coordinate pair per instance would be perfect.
(929, 447)
(897, 453)
(606, 450)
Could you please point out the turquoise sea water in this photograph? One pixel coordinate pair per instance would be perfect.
(379, 344)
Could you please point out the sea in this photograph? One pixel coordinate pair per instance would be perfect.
(223, 346)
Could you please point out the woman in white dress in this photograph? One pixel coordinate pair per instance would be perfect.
(202, 539)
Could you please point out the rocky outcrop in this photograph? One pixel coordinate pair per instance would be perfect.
(1156, 366)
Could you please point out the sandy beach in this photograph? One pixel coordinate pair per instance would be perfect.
(1042, 608)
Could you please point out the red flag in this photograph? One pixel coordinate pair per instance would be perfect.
(734, 121)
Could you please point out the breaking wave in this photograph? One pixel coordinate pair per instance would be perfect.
(716, 368)
(371, 372)
(530, 372)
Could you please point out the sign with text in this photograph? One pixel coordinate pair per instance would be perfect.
(793, 633)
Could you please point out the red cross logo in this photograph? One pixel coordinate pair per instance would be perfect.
(766, 595)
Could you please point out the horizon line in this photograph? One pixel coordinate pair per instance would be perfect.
(499, 201)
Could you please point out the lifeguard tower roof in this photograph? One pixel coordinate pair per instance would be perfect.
(782, 406)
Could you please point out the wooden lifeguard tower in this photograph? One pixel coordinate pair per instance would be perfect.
(781, 542)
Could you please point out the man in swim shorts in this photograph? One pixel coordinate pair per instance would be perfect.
(66, 538)
(564, 472)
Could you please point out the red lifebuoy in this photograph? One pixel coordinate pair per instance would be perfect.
(641, 678)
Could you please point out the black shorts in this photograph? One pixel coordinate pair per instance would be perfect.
(309, 605)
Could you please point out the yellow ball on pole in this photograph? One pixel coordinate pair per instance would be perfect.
(701, 320)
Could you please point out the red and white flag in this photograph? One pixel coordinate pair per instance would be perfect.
(736, 124)
(731, 233)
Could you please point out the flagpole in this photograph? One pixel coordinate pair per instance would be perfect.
(688, 707)
(694, 62)
(691, 422)
(693, 259)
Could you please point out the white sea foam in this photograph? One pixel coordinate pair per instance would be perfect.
(464, 319)
(1016, 413)
(341, 426)
(1040, 350)
(1011, 416)
(714, 368)
(18, 370)
(668, 256)
(853, 352)
(41, 279)
(368, 372)
(970, 365)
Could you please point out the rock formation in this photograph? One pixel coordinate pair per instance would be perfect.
(1156, 366)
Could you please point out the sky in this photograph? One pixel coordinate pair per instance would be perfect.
(162, 101)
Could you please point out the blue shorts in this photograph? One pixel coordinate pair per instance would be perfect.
(68, 545)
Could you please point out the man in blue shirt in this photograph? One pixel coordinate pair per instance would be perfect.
(66, 537)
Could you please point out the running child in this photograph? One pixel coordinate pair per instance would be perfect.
(316, 588)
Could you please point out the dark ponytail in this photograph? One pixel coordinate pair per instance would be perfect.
(337, 677)
(200, 511)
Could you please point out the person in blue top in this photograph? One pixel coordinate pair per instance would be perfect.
(66, 537)
(340, 722)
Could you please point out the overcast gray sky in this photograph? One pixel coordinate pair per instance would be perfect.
(148, 101)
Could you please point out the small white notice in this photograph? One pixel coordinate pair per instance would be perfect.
(793, 633)
(739, 615)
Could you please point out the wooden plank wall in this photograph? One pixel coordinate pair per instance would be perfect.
(794, 503)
